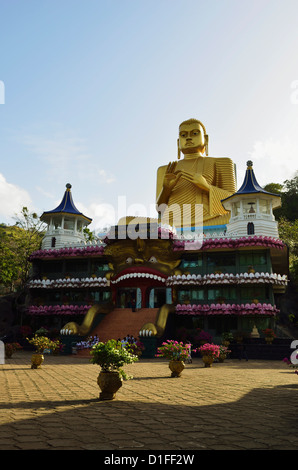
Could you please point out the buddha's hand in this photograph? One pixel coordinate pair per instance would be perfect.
(196, 179)
(171, 178)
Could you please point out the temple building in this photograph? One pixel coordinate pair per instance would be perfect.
(65, 223)
(229, 280)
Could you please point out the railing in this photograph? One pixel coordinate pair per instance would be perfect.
(253, 217)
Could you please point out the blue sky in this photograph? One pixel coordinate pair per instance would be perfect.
(95, 91)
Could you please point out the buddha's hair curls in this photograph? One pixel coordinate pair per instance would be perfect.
(190, 121)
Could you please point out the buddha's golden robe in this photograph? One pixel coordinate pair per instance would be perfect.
(218, 172)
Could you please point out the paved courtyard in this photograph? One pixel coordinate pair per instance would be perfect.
(235, 405)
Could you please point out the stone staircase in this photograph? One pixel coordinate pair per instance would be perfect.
(123, 321)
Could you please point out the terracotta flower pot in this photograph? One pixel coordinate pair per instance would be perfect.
(176, 368)
(208, 361)
(109, 383)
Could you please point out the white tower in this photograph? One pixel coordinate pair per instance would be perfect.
(65, 224)
(251, 209)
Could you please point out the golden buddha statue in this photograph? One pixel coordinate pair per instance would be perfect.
(195, 179)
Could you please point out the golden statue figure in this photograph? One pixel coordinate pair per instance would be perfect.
(195, 179)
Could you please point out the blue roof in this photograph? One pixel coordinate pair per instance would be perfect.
(66, 206)
(250, 184)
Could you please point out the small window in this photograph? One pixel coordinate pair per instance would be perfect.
(53, 243)
(250, 228)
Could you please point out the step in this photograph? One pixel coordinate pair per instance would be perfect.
(121, 322)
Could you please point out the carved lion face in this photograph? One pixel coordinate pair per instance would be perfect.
(141, 257)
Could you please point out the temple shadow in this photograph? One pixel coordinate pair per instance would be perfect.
(264, 418)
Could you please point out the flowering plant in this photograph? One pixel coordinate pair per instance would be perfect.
(209, 349)
(10, 348)
(223, 350)
(294, 366)
(42, 342)
(269, 333)
(110, 356)
(135, 348)
(174, 350)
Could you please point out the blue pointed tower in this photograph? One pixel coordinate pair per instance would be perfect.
(65, 224)
(251, 208)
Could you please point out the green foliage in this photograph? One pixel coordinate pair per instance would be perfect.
(17, 242)
(275, 188)
(89, 236)
(288, 232)
(43, 342)
(110, 356)
(287, 217)
(289, 198)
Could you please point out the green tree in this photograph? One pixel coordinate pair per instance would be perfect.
(27, 239)
(9, 271)
(289, 198)
(89, 236)
(288, 232)
(17, 242)
(275, 188)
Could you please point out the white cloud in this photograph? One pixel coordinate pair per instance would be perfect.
(12, 199)
(275, 160)
(102, 214)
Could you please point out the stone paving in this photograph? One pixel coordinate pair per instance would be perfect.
(235, 405)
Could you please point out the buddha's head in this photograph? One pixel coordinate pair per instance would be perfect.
(192, 138)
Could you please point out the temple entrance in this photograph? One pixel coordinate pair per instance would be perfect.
(158, 296)
(129, 297)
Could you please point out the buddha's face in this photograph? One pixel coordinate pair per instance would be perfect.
(191, 138)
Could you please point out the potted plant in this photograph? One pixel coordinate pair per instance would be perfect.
(57, 347)
(293, 364)
(227, 337)
(135, 348)
(111, 357)
(40, 343)
(10, 348)
(269, 335)
(177, 353)
(209, 352)
(223, 353)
